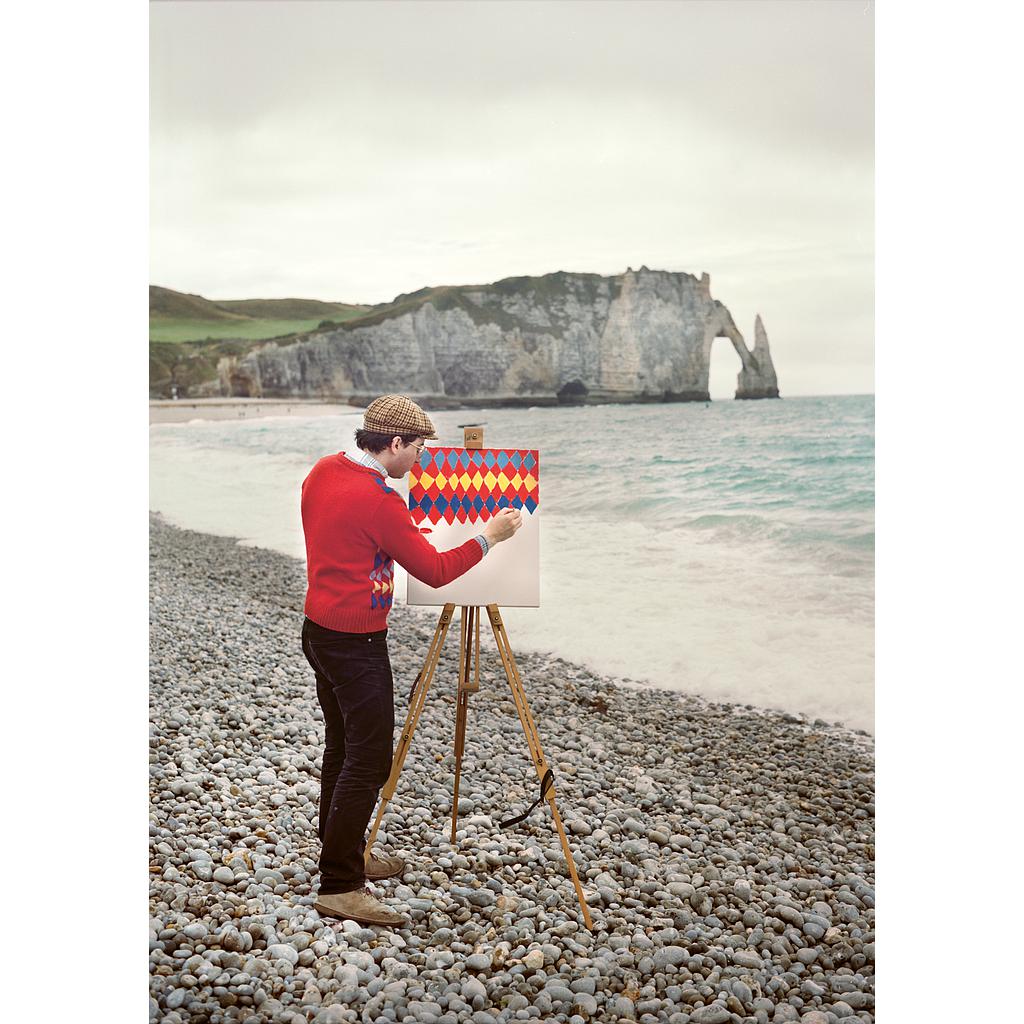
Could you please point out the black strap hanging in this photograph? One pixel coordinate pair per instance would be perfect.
(546, 783)
(416, 682)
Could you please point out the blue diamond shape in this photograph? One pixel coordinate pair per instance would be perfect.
(478, 503)
(491, 504)
(441, 504)
(477, 458)
(503, 502)
(502, 460)
(464, 459)
(530, 504)
(529, 462)
(516, 459)
(489, 459)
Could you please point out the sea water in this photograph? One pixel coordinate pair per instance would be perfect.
(723, 549)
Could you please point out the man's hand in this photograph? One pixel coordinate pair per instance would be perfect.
(502, 525)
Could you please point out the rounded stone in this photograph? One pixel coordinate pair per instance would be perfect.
(282, 951)
(716, 1013)
(534, 959)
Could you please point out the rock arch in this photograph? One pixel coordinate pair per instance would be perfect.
(756, 378)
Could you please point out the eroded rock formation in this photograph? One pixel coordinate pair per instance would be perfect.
(644, 335)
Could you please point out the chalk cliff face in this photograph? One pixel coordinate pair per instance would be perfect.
(644, 335)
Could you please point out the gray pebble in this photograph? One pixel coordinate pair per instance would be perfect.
(716, 1013)
(586, 1004)
(471, 988)
(745, 958)
(176, 998)
(670, 956)
(282, 951)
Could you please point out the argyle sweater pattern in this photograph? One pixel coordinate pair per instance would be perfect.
(356, 528)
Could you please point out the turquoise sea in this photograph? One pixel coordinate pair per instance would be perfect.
(724, 549)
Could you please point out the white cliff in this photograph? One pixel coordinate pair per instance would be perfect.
(644, 335)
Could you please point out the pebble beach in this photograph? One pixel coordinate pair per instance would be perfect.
(726, 851)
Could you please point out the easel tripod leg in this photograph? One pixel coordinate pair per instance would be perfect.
(515, 682)
(416, 703)
(462, 705)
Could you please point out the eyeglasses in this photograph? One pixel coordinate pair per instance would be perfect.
(420, 448)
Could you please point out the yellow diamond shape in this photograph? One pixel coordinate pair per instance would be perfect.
(502, 480)
(425, 481)
(516, 481)
(477, 481)
(465, 481)
(490, 480)
(453, 480)
(530, 480)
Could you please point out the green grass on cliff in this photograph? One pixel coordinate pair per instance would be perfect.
(180, 316)
(543, 291)
(292, 309)
(164, 329)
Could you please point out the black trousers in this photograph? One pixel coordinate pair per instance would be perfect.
(355, 689)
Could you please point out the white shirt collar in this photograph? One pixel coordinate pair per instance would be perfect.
(366, 459)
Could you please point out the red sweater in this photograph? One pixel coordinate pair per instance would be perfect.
(356, 528)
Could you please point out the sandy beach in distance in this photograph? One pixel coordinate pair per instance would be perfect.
(184, 409)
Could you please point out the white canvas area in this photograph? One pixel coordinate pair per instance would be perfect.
(508, 575)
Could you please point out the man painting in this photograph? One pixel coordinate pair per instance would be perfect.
(356, 527)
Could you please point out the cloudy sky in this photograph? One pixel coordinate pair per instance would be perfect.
(352, 151)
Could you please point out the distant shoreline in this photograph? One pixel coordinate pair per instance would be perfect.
(184, 409)
(165, 410)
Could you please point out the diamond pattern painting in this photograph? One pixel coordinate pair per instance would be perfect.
(452, 494)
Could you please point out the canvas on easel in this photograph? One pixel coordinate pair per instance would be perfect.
(453, 492)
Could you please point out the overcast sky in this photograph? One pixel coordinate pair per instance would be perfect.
(352, 151)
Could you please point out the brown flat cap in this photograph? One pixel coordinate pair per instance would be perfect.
(396, 414)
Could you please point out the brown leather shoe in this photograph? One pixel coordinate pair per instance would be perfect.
(359, 905)
(378, 868)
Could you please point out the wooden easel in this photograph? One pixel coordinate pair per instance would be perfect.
(469, 682)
